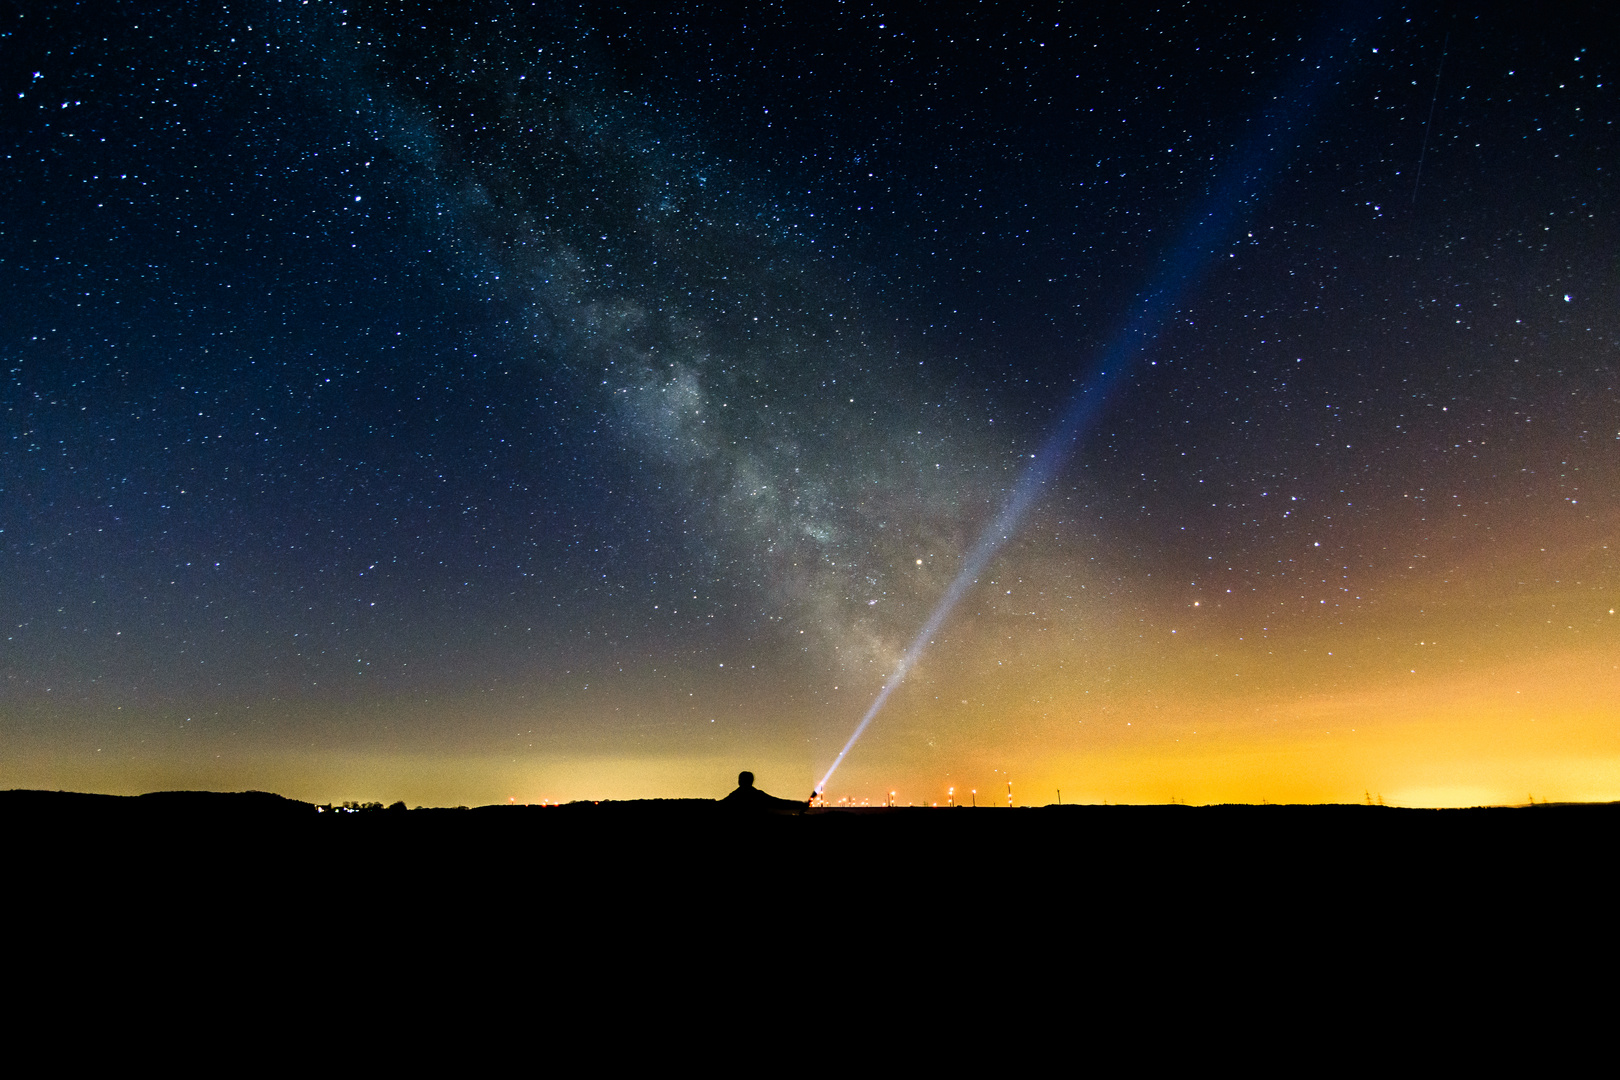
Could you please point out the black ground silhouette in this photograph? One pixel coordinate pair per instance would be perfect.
(1121, 892)
(1065, 846)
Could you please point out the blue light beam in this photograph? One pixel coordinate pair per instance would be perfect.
(1238, 187)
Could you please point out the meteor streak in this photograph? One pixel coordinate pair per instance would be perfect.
(1238, 186)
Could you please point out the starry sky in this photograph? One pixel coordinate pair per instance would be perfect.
(490, 401)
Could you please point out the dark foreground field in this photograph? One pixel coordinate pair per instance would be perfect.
(651, 845)
(699, 841)
(653, 889)
(1174, 855)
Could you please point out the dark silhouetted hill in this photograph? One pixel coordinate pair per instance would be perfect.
(623, 892)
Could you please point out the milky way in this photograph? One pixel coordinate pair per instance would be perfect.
(501, 402)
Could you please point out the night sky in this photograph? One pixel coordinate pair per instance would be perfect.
(496, 401)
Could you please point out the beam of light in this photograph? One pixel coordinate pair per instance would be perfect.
(1237, 188)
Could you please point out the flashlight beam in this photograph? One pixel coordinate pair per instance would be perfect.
(1239, 186)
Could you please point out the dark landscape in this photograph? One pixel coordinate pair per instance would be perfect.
(1044, 851)
(1125, 905)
